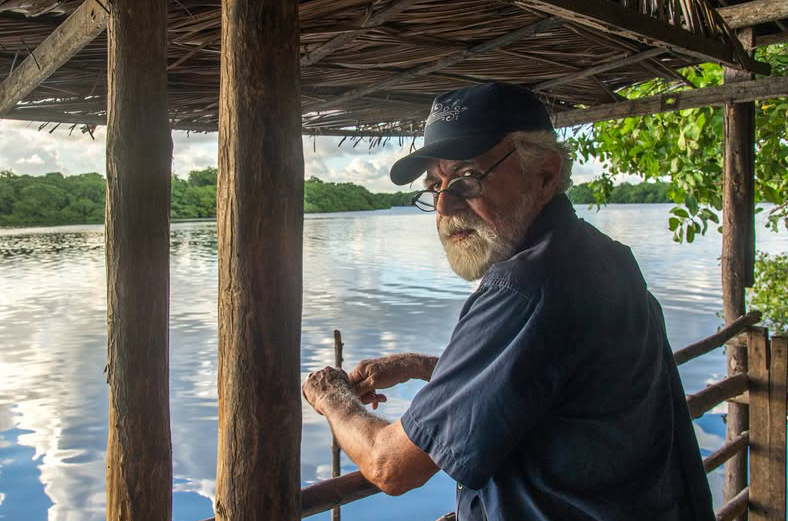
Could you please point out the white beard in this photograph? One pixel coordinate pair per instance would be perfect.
(472, 256)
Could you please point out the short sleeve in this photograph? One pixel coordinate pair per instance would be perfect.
(503, 368)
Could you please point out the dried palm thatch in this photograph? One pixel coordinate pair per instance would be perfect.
(372, 66)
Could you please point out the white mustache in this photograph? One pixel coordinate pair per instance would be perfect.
(462, 222)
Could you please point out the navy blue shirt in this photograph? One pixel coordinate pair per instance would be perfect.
(557, 398)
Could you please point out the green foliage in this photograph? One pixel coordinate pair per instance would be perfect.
(80, 199)
(51, 199)
(624, 193)
(320, 196)
(770, 291)
(686, 148)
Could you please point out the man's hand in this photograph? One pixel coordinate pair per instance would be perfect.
(327, 387)
(382, 373)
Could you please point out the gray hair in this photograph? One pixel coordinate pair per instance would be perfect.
(532, 146)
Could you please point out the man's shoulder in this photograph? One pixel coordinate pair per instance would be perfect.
(564, 257)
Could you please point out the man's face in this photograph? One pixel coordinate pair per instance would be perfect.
(486, 229)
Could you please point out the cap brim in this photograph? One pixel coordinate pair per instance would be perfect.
(410, 167)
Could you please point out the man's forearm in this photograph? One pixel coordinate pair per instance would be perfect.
(381, 449)
(354, 427)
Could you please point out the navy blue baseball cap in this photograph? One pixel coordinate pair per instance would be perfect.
(468, 122)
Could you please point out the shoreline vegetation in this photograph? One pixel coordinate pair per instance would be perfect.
(53, 199)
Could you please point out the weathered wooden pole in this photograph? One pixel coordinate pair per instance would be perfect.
(336, 468)
(139, 150)
(738, 239)
(260, 233)
(768, 375)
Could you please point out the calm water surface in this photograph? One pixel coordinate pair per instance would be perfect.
(379, 277)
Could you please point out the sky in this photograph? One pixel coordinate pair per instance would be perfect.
(25, 149)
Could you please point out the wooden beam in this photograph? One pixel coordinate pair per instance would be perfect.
(391, 10)
(702, 347)
(137, 244)
(704, 400)
(612, 18)
(754, 12)
(447, 61)
(727, 451)
(260, 219)
(735, 507)
(770, 39)
(764, 88)
(768, 371)
(603, 67)
(78, 30)
(327, 494)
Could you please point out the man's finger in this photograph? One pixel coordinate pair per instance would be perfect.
(356, 375)
(363, 387)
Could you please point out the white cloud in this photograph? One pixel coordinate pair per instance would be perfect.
(35, 159)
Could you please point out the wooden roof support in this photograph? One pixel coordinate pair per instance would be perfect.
(394, 8)
(750, 90)
(446, 61)
(738, 249)
(78, 30)
(260, 220)
(613, 18)
(139, 160)
(755, 12)
(603, 67)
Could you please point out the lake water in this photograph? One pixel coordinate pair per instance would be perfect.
(380, 277)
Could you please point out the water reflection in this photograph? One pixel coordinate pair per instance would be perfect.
(379, 277)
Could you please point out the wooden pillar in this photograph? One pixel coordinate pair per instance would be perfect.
(139, 150)
(260, 233)
(737, 254)
(768, 375)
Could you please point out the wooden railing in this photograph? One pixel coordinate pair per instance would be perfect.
(763, 388)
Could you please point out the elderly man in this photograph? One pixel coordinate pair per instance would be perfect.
(557, 398)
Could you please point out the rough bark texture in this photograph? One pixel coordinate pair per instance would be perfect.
(260, 233)
(139, 149)
(737, 254)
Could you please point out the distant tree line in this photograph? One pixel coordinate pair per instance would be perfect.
(53, 199)
(652, 192)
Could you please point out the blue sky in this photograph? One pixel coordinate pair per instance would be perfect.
(27, 150)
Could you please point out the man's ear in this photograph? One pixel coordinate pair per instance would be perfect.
(551, 172)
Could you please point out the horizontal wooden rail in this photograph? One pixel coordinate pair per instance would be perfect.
(735, 507)
(327, 494)
(714, 341)
(726, 452)
(712, 395)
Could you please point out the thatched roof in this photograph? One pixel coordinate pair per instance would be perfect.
(374, 66)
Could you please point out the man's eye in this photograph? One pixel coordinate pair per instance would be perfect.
(470, 173)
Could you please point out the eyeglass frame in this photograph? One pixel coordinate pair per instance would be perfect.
(478, 178)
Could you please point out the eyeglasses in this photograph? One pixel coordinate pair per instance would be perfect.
(466, 186)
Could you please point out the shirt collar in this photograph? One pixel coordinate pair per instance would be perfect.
(556, 214)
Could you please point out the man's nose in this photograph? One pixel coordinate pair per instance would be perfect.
(449, 203)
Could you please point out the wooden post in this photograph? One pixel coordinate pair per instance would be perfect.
(335, 450)
(139, 151)
(737, 254)
(260, 218)
(768, 375)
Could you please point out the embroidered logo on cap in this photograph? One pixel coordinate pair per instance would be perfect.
(441, 112)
